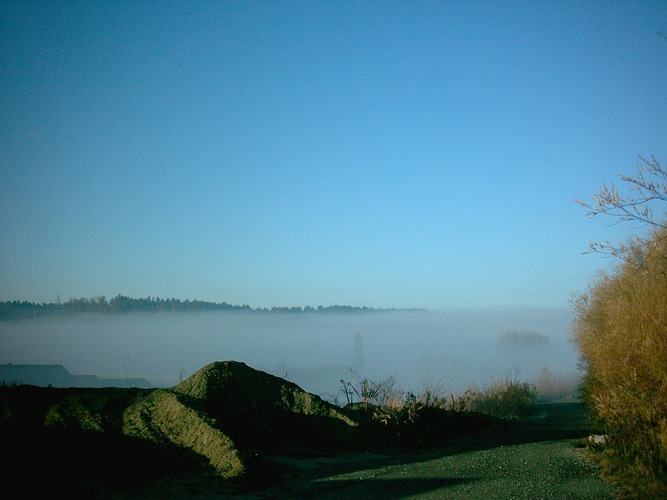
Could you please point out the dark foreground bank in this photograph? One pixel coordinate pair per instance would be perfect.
(230, 430)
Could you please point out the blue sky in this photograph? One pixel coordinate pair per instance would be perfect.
(388, 154)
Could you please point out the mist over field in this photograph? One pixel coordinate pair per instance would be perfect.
(313, 350)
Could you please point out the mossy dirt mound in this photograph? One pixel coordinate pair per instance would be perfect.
(166, 418)
(263, 412)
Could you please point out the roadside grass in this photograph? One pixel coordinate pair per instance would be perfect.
(383, 403)
(508, 398)
(558, 387)
(630, 480)
(399, 420)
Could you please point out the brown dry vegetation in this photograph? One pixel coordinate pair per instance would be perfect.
(621, 332)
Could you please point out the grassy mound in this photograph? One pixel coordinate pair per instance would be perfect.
(164, 417)
(264, 412)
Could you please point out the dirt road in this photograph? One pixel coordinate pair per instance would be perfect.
(540, 457)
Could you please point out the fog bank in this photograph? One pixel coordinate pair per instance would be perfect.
(313, 350)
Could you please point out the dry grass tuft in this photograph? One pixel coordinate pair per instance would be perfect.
(508, 398)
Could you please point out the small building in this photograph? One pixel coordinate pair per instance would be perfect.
(58, 376)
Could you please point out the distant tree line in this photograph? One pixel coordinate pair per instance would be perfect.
(24, 309)
(513, 339)
(12, 310)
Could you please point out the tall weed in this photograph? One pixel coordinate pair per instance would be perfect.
(507, 398)
(556, 387)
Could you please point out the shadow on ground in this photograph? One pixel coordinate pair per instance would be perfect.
(357, 475)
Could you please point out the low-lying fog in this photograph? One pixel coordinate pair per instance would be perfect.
(314, 350)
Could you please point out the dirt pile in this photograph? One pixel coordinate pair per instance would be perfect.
(224, 414)
(228, 411)
(166, 417)
(264, 412)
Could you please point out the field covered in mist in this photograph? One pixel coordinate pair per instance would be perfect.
(452, 349)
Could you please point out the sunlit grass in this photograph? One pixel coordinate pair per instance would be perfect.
(508, 398)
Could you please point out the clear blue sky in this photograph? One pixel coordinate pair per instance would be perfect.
(389, 154)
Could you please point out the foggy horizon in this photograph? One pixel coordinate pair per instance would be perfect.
(454, 349)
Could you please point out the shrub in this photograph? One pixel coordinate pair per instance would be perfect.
(555, 387)
(398, 420)
(370, 393)
(506, 398)
(620, 330)
(384, 402)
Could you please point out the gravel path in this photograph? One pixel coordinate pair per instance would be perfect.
(539, 458)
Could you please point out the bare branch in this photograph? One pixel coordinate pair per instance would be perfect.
(648, 187)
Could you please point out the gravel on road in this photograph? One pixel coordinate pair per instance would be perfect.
(540, 457)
